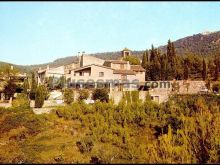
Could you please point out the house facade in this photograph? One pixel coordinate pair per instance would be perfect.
(113, 74)
(91, 72)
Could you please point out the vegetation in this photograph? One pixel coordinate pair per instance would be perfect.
(21, 101)
(10, 89)
(40, 96)
(100, 94)
(83, 94)
(68, 96)
(33, 86)
(132, 59)
(169, 66)
(183, 130)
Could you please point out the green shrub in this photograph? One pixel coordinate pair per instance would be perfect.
(83, 94)
(85, 144)
(135, 96)
(40, 96)
(21, 101)
(68, 96)
(100, 94)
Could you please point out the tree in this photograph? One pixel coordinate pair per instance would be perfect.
(68, 96)
(40, 96)
(144, 59)
(186, 70)
(216, 68)
(26, 86)
(152, 54)
(100, 94)
(204, 70)
(163, 62)
(169, 51)
(10, 89)
(133, 60)
(83, 94)
(33, 86)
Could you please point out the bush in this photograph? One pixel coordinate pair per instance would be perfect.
(21, 101)
(83, 94)
(135, 96)
(216, 88)
(100, 94)
(40, 96)
(68, 96)
(85, 145)
(10, 89)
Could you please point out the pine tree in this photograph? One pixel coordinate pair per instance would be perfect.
(216, 68)
(204, 70)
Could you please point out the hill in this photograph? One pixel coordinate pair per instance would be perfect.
(205, 44)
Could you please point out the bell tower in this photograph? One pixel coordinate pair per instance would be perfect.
(125, 52)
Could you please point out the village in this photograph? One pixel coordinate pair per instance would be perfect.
(117, 76)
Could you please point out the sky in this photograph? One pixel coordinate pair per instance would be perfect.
(40, 32)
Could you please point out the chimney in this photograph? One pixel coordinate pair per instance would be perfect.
(12, 67)
(48, 67)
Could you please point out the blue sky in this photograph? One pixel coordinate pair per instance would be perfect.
(40, 32)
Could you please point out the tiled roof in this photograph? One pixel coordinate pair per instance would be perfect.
(117, 61)
(88, 66)
(128, 72)
(137, 68)
(41, 71)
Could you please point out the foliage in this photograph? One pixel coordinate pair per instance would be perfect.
(21, 101)
(100, 94)
(26, 86)
(132, 59)
(183, 130)
(10, 89)
(68, 96)
(33, 86)
(83, 94)
(40, 96)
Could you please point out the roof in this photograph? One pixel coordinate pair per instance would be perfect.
(116, 61)
(137, 68)
(128, 72)
(88, 66)
(126, 49)
(41, 71)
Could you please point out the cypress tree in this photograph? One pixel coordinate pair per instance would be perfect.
(204, 70)
(152, 53)
(33, 87)
(26, 86)
(216, 68)
(40, 96)
(186, 70)
(144, 59)
(169, 51)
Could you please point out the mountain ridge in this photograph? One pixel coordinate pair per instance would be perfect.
(204, 44)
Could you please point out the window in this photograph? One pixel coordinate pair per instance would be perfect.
(101, 74)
